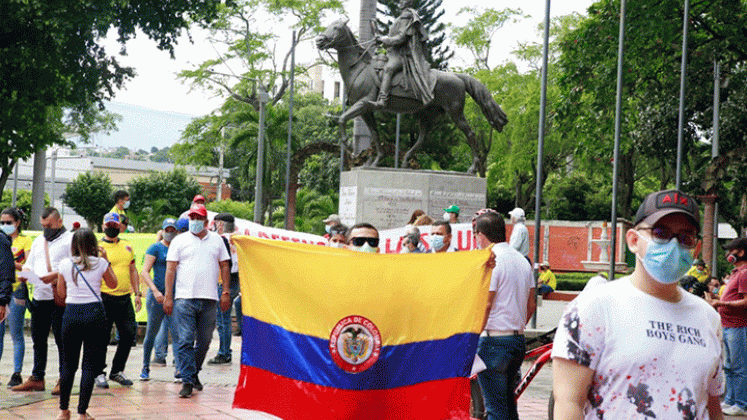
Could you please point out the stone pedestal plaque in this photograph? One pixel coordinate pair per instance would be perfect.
(386, 197)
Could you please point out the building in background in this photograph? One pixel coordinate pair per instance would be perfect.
(64, 165)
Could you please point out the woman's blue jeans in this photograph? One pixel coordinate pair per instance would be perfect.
(155, 317)
(15, 318)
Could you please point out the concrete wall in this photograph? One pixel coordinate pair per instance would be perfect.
(386, 197)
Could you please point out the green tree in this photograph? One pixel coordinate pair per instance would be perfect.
(651, 80)
(53, 65)
(238, 209)
(90, 195)
(311, 208)
(158, 195)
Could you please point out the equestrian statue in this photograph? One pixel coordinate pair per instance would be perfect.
(403, 82)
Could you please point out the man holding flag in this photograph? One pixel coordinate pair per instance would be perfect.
(510, 305)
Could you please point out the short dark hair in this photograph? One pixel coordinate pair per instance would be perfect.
(492, 226)
(362, 225)
(225, 217)
(120, 194)
(338, 230)
(443, 223)
(50, 211)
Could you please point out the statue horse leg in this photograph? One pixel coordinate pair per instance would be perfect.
(457, 115)
(362, 108)
(426, 119)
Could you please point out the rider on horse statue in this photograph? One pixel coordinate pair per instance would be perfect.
(404, 47)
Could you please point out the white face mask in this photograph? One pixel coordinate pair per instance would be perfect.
(126, 204)
(367, 248)
(447, 217)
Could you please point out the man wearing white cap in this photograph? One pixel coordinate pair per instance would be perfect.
(330, 222)
(519, 235)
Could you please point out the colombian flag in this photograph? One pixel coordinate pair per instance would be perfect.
(333, 334)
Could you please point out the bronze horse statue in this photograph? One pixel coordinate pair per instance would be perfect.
(359, 74)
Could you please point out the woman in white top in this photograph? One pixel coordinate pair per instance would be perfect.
(83, 324)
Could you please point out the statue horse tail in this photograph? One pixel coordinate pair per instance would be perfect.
(492, 111)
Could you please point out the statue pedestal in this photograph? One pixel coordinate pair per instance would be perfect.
(386, 197)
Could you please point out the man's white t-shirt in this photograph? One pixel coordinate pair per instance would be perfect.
(595, 281)
(80, 293)
(59, 249)
(651, 358)
(520, 238)
(198, 271)
(512, 280)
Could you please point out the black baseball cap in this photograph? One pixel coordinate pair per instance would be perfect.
(739, 243)
(661, 203)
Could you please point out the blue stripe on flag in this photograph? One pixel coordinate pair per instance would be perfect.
(306, 358)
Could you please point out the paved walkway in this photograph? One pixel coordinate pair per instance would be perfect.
(158, 398)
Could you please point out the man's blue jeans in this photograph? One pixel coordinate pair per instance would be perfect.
(195, 322)
(155, 317)
(15, 318)
(735, 366)
(224, 319)
(503, 357)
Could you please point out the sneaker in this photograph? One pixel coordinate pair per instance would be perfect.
(177, 378)
(724, 406)
(101, 381)
(158, 362)
(186, 391)
(15, 380)
(56, 389)
(735, 410)
(145, 374)
(220, 360)
(120, 379)
(197, 384)
(32, 384)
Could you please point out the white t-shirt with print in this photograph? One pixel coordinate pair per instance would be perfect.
(651, 358)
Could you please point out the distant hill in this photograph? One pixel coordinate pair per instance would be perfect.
(143, 128)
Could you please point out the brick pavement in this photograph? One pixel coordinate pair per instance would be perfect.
(158, 399)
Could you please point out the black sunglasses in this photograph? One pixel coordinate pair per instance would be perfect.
(5, 222)
(359, 241)
(663, 235)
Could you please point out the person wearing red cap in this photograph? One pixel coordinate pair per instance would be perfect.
(640, 346)
(199, 200)
(194, 263)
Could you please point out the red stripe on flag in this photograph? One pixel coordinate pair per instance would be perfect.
(291, 399)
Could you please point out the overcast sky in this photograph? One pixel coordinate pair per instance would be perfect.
(156, 106)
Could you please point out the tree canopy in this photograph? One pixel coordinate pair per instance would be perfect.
(52, 61)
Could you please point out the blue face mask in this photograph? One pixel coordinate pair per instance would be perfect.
(668, 262)
(437, 242)
(8, 229)
(196, 226)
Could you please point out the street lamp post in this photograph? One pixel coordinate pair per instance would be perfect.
(258, 187)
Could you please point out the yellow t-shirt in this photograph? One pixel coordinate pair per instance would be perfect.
(548, 277)
(120, 256)
(115, 209)
(21, 247)
(702, 276)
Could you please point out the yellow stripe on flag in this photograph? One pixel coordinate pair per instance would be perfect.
(307, 289)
